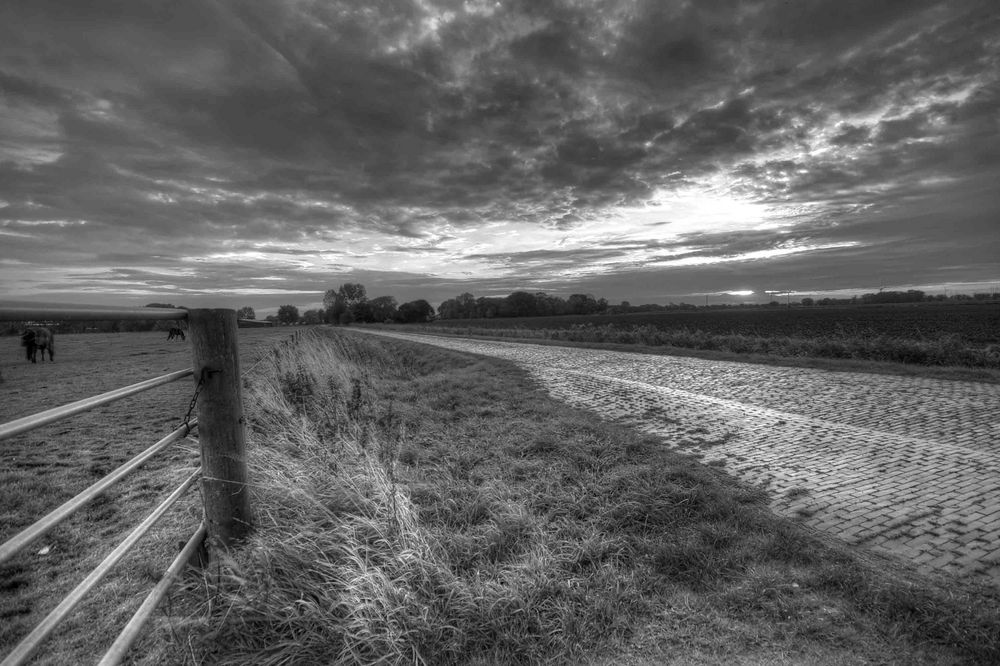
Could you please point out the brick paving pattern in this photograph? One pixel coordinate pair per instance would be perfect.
(906, 465)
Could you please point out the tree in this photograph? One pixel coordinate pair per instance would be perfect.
(246, 312)
(461, 307)
(449, 309)
(466, 304)
(349, 297)
(363, 311)
(288, 314)
(353, 292)
(333, 305)
(582, 304)
(547, 305)
(909, 296)
(382, 308)
(488, 307)
(519, 304)
(311, 317)
(415, 312)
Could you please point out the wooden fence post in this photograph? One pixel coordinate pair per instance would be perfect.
(226, 495)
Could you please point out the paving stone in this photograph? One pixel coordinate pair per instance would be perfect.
(909, 463)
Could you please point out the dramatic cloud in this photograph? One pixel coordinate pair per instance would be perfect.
(215, 151)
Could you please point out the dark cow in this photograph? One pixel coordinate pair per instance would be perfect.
(35, 339)
(175, 332)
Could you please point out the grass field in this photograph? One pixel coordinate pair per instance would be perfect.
(973, 322)
(416, 505)
(936, 335)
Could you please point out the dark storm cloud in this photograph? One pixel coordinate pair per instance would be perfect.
(26, 90)
(815, 22)
(309, 129)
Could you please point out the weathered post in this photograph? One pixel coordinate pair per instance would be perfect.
(226, 495)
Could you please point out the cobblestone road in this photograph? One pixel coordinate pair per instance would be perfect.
(906, 465)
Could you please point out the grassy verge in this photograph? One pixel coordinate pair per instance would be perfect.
(416, 505)
(766, 351)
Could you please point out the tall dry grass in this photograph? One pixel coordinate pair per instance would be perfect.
(340, 568)
(419, 506)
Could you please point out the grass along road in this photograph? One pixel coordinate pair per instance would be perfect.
(418, 505)
(909, 465)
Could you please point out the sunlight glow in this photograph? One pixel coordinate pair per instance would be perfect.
(704, 260)
(699, 210)
(664, 232)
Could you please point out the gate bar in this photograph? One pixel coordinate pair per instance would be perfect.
(31, 642)
(27, 423)
(22, 539)
(130, 633)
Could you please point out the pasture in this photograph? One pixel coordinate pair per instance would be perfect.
(420, 505)
(41, 469)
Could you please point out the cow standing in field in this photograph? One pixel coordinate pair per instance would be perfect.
(175, 332)
(35, 339)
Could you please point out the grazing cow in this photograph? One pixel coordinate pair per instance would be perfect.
(35, 339)
(175, 332)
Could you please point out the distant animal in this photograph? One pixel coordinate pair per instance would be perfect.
(38, 339)
(175, 332)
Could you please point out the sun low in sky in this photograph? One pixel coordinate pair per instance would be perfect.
(228, 153)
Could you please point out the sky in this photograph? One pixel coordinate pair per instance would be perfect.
(222, 153)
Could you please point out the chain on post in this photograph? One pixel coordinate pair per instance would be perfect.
(194, 400)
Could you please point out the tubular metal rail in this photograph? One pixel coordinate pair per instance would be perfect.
(27, 647)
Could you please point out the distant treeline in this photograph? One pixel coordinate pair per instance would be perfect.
(540, 304)
(917, 296)
(520, 304)
(350, 303)
(111, 326)
(107, 326)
